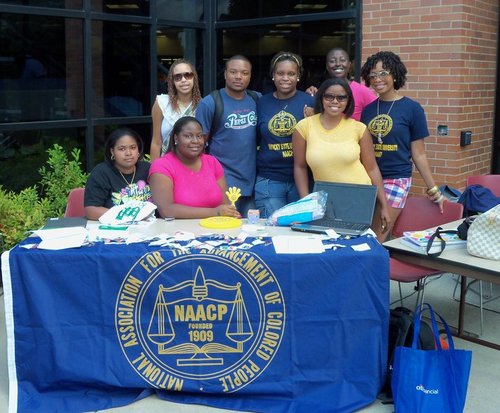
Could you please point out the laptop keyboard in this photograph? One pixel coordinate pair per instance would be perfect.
(354, 226)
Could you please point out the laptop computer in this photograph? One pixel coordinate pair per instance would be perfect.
(349, 209)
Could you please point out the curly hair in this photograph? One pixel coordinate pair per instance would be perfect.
(390, 62)
(340, 81)
(172, 91)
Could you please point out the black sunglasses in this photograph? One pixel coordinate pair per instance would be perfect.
(187, 75)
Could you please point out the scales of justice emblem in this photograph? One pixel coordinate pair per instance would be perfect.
(199, 317)
(282, 124)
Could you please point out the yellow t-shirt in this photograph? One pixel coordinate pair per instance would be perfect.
(333, 155)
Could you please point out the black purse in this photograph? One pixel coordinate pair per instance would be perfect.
(463, 228)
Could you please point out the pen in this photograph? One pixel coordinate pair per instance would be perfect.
(111, 227)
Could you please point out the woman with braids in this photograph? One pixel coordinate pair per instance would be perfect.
(398, 127)
(278, 113)
(182, 99)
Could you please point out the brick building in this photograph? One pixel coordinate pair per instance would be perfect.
(99, 63)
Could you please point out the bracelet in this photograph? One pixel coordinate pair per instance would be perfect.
(436, 195)
(433, 191)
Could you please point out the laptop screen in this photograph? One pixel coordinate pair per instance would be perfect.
(348, 202)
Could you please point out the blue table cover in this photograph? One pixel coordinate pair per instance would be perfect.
(101, 326)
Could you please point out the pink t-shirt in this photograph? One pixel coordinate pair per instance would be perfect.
(196, 189)
(362, 96)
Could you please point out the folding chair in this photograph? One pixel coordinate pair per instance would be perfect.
(74, 205)
(419, 213)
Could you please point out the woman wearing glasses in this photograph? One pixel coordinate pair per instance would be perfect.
(186, 182)
(398, 127)
(182, 99)
(336, 147)
(278, 113)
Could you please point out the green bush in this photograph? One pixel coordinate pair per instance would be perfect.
(29, 209)
(21, 212)
(59, 177)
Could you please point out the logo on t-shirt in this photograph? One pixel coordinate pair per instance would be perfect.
(241, 121)
(282, 124)
(380, 126)
(138, 191)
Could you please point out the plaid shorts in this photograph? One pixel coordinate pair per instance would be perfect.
(396, 191)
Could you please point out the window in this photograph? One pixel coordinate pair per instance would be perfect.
(120, 69)
(41, 72)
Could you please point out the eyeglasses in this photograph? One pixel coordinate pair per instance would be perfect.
(331, 98)
(381, 75)
(186, 75)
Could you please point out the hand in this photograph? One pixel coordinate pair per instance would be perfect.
(308, 111)
(311, 90)
(439, 199)
(385, 218)
(228, 211)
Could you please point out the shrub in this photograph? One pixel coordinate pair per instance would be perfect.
(59, 177)
(29, 209)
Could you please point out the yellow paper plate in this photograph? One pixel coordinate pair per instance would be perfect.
(220, 222)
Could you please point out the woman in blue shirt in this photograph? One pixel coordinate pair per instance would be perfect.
(278, 113)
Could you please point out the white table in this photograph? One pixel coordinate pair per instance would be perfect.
(453, 260)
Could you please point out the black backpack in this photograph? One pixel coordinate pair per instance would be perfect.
(219, 107)
(401, 334)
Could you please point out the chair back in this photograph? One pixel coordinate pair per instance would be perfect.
(75, 206)
(420, 213)
(492, 182)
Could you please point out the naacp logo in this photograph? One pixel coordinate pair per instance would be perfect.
(282, 124)
(211, 321)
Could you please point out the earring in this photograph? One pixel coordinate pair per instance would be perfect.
(298, 79)
(272, 79)
(112, 156)
(175, 142)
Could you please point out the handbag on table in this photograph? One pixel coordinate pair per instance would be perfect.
(429, 381)
(483, 236)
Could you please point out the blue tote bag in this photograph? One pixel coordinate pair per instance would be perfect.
(429, 381)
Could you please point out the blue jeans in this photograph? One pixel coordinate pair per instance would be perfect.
(272, 195)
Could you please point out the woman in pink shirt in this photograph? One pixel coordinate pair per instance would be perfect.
(186, 182)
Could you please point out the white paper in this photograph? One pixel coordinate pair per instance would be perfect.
(361, 247)
(115, 215)
(62, 238)
(290, 244)
(183, 236)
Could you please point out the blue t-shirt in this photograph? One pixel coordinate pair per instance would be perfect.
(277, 120)
(234, 143)
(393, 130)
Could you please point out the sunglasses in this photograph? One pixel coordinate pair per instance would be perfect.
(331, 98)
(186, 75)
(381, 75)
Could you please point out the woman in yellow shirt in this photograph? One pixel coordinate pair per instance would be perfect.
(335, 147)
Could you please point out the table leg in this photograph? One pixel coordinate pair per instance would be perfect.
(461, 316)
(461, 311)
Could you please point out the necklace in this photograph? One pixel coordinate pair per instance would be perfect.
(383, 120)
(132, 180)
